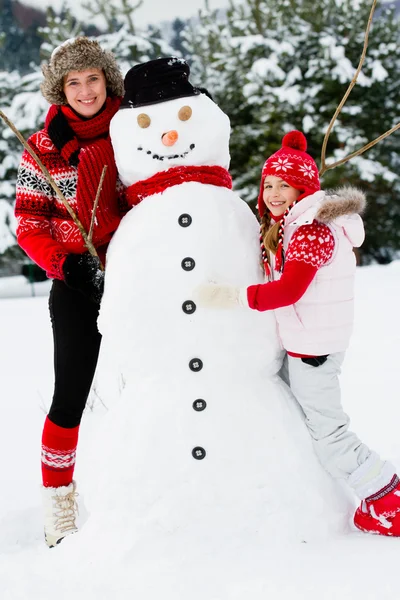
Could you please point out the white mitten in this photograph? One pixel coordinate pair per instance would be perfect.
(210, 295)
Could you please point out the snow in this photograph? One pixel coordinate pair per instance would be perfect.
(265, 67)
(219, 563)
(369, 169)
(18, 286)
(379, 73)
(308, 123)
(6, 217)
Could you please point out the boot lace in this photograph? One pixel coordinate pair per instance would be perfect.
(66, 511)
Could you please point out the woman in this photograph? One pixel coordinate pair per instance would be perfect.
(84, 86)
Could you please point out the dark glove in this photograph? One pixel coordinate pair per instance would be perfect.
(82, 272)
(315, 361)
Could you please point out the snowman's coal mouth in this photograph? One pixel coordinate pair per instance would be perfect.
(162, 157)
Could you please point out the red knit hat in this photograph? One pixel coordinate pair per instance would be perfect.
(292, 164)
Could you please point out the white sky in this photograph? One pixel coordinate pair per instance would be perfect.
(152, 11)
(161, 10)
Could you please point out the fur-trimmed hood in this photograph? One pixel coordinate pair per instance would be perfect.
(338, 203)
(79, 54)
(340, 208)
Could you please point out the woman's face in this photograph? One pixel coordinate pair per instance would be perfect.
(85, 91)
(278, 195)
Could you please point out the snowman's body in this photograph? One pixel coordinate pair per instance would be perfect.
(210, 425)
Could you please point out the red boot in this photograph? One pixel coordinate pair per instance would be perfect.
(380, 513)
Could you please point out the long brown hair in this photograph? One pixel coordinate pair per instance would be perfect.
(269, 235)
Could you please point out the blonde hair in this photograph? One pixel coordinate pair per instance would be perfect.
(269, 235)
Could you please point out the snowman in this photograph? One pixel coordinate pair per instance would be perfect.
(203, 425)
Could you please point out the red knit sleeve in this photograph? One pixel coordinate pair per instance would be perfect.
(33, 213)
(296, 278)
(312, 244)
(310, 248)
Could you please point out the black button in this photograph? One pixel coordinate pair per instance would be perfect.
(198, 453)
(189, 307)
(199, 405)
(188, 264)
(185, 220)
(196, 364)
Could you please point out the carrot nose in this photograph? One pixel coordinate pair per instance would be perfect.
(169, 138)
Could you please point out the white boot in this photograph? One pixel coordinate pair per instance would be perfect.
(60, 512)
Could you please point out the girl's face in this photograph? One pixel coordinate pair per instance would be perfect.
(85, 91)
(278, 195)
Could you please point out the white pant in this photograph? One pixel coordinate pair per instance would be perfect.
(339, 450)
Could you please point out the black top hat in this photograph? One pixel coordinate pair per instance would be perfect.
(157, 81)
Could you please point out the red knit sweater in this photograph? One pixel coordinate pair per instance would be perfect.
(45, 229)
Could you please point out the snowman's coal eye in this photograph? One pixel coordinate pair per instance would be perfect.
(185, 113)
(143, 120)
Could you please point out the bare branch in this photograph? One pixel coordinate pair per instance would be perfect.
(96, 202)
(324, 168)
(128, 11)
(363, 149)
(53, 184)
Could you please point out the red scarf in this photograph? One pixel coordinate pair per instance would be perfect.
(85, 144)
(175, 176)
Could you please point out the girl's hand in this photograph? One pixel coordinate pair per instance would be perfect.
(210, 295)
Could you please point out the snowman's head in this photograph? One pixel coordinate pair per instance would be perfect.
(168, 126)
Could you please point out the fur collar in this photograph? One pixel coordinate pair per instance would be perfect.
(338, 203)
(327, 207)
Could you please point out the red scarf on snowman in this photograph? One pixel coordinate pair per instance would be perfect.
(175, 176)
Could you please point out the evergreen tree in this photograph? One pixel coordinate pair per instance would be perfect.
(278, 66)
(15, 44)
(115, 14)
(24, 105)
(177, 42)
(59, 27)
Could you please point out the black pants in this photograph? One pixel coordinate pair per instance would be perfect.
(76, 350)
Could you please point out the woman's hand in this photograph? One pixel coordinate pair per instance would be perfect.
(82, 273)
(210, 295)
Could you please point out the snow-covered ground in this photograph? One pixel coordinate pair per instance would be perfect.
(18, 286)
(217, 564)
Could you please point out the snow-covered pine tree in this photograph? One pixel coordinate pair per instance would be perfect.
(24, 104)
(279, 66)
(129, 44)
(131, 49)
(59, 27)
(237, 56)
(14, 37)
(176, 41)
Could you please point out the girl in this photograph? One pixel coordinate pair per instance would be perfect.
(84, 86)
(307, 240)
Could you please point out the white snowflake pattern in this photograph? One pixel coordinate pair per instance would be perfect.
(307, 170)
(305, 245)
(43, 141)
(282, 164)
